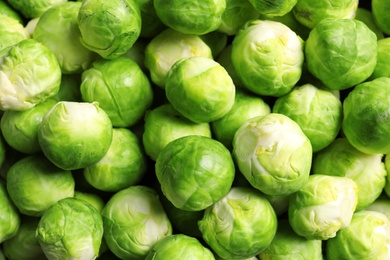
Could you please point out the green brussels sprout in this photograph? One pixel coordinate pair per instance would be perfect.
(267, 57)
(194, 172)
(34, 8)
(366, 17)
(380, 12)
(279, 203)
(120, 87)
(382, 205)
(200, 89)
(74, 135)
(70, 229)
(57, 28)
(367, 237)
(151, 24)
(366, 118)
(310, 13)
(122, 166)
(245, 106)
(383, 63)
(273, 154)
(168, 47)
(273, 8)
(318, 112)
(137, 53)
(240, 225)
(9, 214)
(69, 88)
(341, 52)
(30, 73)
(189, 16)
(20, 128)
(34, 184)
(323, 206)
(164, 124)
(225, 59)
(237, 13)
(7, 10)
(109, 28)
(134, 221)
(11, 31)
(179, 246)
(340, 158)
(92, 198)
(24, 245)
(216, 40)
(289, 245)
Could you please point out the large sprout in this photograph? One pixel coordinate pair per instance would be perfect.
(9, 215)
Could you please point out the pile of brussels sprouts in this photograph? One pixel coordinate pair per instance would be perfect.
(185, 129)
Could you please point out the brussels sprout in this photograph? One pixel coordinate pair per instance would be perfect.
(194, 172)
(340, 158)
(151, 23)
(382, 205)
(9, 214)
(341, 52)
(109, 28)
(245, 106)
(200, 89)
(7, 10)
(288, 245)
(310, 13)
(366, 118)
(57, 28)
(24, 245)
(164, 124)
(30, 26)
(168, 47)
(20, 128)
(30, 73)
(273, 8)
(74, 135)
(70, 229)
(380, 12)
(323, 206)
(240, 225)
(11, 31)
(366, 17)
(137, 53)
(318, 112)
(34, 184)
(69, 88)
(179, 247)
(120, 87)
(273, 154)
(189, 16)
(225, 59)
(34, 8)
(267, 57)
(134, 221)
(91, 198)
(216, 40)
(382, 67)
(367, 237)
(279, 203)
(122, 166)
(237, 13)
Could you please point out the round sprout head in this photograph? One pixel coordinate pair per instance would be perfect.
(380, 12)
(9, 214)
(273, 8)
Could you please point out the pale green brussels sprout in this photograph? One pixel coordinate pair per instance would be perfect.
(383, 60)
(34, 184)
(279, 203)
(318, 112)
(323, 206)
(366, 237)
(30, 73)
(70, 229)
(216, 40)
(120, 87)
(151, 23)
(74, 135)
(6, 9)
(366, 118)
(134, 221)
(200, 89)
(237, 13)
(341, 52)
(9, 214)
(366, 17)
(95, 200)
(20, 128)
(340, 158)
(109, 28)
(273, 8)
(168, 47)
(122, 166)
(164, 124)
(194, 184)
(268, 57)
(380, 12)
(11, 31)
(178, 247)
(382, 205)
(273, 154)
(310, 13)
(69, 88)
(57, 28)
(24, 244)
(245, 106)
(189, 16)
(240, 225)
(287, 245)
(34, 8)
